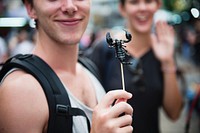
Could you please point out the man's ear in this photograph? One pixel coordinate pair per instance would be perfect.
(30, 10)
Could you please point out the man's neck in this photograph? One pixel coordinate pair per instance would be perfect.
(59, 57)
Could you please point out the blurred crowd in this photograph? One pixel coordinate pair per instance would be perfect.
(187, 50)
(21, 41)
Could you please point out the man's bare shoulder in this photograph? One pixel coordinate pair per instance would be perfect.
(21, 84)
(22, 102)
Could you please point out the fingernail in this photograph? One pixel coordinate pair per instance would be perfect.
(130, 94)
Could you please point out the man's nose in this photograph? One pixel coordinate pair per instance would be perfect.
(69, 6)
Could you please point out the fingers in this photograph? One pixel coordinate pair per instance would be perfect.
(123, 121)
(154, 40)
(159, 29)
(120, 100)
(163, 28)
(120, 108)
(164, 31)
(111, 96)
(127, 129)
(106, 118)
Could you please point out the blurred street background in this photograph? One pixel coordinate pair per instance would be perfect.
(17, 36)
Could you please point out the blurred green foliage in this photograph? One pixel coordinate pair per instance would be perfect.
(178, 5)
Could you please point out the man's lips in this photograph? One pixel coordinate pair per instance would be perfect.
(69, 21)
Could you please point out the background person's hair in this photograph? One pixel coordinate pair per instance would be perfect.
(29, 1)
(123, 1)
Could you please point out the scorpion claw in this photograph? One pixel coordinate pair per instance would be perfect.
(121, 52)
(109, 39)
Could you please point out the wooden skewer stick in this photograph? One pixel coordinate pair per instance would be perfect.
(122, 75)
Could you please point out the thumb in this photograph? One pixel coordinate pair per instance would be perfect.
(111, 96)
(154, 40)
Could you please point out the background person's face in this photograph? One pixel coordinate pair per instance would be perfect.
(139, 14)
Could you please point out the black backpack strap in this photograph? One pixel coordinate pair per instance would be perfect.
(60, 110)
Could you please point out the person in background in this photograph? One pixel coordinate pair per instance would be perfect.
(152, 76)
(196, 47)
(22, 43)
(188, 39)
(60, 25)
(3, 50)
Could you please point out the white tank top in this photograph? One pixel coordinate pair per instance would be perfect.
(79, 122)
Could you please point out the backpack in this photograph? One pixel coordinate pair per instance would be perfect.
(60, 110)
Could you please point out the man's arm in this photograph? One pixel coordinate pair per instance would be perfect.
(23, 106)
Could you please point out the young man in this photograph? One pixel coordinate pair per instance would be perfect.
(23, 105)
